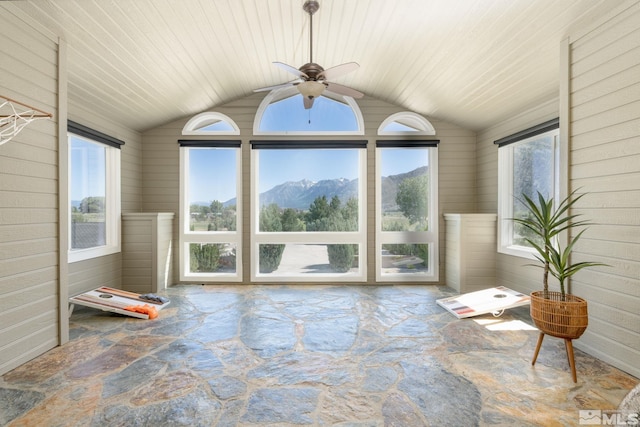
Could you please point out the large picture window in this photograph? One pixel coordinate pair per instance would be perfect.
(407, 211)
(94, 193)
(528, 163)
(307, 217)
(210, 224)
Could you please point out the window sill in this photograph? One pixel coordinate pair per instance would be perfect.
(90, 253)
(518, 251)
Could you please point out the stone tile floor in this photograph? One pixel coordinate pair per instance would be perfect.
(306, 355)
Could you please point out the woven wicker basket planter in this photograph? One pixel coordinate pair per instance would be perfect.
(562, 319)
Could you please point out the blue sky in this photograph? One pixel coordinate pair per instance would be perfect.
(212, 174)
(88, 180)
(213, 171)
(279, 166)
(397, 161)
(289, 115)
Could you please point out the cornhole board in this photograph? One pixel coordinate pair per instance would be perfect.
(492, 300)
(113, 300)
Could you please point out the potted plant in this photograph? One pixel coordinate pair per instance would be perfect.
(558, 314)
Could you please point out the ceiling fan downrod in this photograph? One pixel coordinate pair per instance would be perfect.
(311, 7)
(311, 78)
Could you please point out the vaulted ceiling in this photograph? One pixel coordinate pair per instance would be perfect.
(143, 63)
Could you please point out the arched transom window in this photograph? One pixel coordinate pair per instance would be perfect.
(281, 112)
(406, 123)
(211, 123)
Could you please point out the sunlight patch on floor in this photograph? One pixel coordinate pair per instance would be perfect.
(505, 325)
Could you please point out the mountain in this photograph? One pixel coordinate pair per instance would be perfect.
(300, 194)
(390, 184)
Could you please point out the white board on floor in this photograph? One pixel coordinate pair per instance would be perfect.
(114, 301)
(490, 300)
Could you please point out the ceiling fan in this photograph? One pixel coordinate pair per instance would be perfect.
(312, 80)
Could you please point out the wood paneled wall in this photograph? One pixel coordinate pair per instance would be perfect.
(604, 75)
(29, 254)
(34, 277)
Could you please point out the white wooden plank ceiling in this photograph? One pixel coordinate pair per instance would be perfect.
(143, 63)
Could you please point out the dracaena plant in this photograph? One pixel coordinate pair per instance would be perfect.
(546, 222)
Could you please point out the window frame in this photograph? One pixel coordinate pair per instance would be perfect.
(192, 127)
(187, 237)
(113, 207)
(420, 125)
(506, 198)
(430, 237)
(316, 237)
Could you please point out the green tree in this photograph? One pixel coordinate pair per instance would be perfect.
(205, 258)
(412, 198)
(334, 206)
(199, 211)
(216, 207)
(291, 220)
(318, 209)
(350, 211)
(229, 218)
(323, 216)
(341, 257)
(270, 218)
(270, 254)
(92, 205)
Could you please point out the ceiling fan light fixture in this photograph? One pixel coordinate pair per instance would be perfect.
(311, 89)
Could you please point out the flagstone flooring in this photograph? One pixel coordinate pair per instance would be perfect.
(306, 355)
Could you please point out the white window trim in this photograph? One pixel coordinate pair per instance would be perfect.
(421, 125)
(506, 196)
(187, 237)
(348, 237)
(285, 92)
(199, 120)
(112, 207)
(419, 237)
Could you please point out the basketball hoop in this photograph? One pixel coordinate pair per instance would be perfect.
(14, 116)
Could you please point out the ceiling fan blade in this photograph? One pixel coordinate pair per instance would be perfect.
(278, 86)
(343, 90)
(291, 69)
(338, 70)
(308, 102)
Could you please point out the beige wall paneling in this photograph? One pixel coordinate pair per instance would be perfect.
(29, 240)
(604, 72)
(161, 179)
(93, 273)
(146, 242)
(470, 251)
